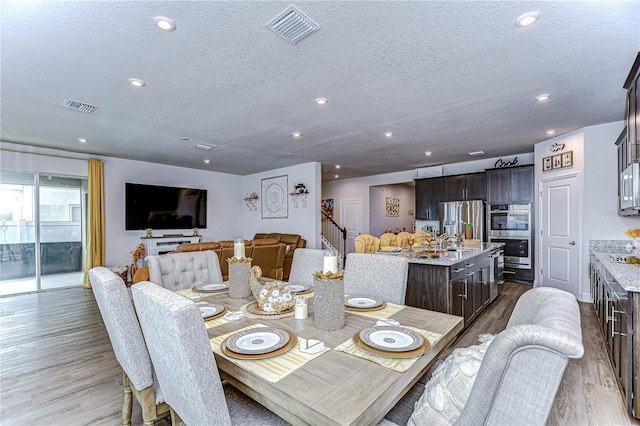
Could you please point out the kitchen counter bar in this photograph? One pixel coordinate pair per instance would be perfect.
(450, 256)
(627, 275)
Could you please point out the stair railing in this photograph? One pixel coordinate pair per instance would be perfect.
(334, 237)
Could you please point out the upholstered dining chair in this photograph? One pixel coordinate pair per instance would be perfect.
(179, 271)
(406, 239)
(422, 237)
(305, 263)
(186, 368)
(389, 240)
(365, 243)
(122, 326)
(376, 275)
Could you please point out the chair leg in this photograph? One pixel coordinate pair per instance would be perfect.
(148, 405)
(175, 419)
(127, 403)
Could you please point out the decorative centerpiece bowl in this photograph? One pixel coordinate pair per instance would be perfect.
(272, 296)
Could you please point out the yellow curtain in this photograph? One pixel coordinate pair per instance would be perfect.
(95, 225)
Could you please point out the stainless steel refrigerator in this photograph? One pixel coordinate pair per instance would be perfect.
(454, 215)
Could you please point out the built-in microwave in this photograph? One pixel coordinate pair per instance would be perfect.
(509, 220)
(629, 190)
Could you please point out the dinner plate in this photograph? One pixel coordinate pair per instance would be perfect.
(298, 288)
(293, 340)
(387, 354)
(211, 310)
(257, 341)
(362, 302)
(392, 339)
(211, 287)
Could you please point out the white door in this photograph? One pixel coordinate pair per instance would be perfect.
(351, 219)
(559, 208)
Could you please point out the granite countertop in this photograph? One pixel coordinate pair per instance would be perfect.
(627, 275)
(449, 258)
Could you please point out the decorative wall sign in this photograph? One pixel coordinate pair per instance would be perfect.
(275, 202)
(556, 147)
(501, 164)
(557, 161)
(393, 207)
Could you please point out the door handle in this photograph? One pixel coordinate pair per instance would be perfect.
(572, 243)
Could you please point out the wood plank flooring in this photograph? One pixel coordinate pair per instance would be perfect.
(57, 366)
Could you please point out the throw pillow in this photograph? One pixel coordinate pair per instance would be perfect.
(449, 387)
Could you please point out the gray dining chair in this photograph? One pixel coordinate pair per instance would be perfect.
(305, 263)
(180, 271)
(122, 326)
(185, 365)
(376, 275)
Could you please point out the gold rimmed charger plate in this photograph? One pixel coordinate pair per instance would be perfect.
(218, 315)
(306, 289)
(293, 340)
(353, 308)
(252, 308)
(388, 354)
(201, 289)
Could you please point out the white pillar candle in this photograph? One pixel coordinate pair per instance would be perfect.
(329, 262)
(238, 248)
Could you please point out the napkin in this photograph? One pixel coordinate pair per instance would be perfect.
(311, 346)
(388, 322)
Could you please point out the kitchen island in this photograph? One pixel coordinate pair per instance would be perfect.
(457, 282)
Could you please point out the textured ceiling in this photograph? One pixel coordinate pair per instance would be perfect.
(447, 77)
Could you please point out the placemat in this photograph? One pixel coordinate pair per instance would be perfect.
(184, 292)
(251, 315)
(216, 322)
(396, 364)
(384, 313)
(270, 369)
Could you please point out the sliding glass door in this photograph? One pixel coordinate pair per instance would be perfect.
(43, 231)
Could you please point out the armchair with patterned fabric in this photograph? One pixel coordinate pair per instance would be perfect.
(389, 240)
(366, 243)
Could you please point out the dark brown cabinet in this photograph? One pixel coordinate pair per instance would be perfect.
(465, 187)
(512, 185)
(428, 196)
(632, 111)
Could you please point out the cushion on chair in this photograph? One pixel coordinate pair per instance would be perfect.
(446, 393)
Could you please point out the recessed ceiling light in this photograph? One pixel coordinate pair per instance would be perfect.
(542, 98)
(527, 19)
(321, 101)
(165, 23)
(336, 176)
(550, 131)
(337, 166)
(296, 134)
(185, 138)
(83, 140)
(135, 82)
(427, 153)
(207, 161)
(476, 153)
(388, 134)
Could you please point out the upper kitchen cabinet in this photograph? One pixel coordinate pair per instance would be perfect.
(465, 187)
(632, 114)
(428, 197)
(512, 185)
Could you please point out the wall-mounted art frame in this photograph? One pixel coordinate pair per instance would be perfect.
(327, 207)
(393, 207)
(557, 161)
(567, 159)
(275, 201)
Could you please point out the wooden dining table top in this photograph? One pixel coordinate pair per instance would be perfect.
(335, 388)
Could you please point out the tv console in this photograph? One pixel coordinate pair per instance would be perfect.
(167, 243)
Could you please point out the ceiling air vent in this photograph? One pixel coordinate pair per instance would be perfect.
(79, 106)
(205, 146)
(292, 25)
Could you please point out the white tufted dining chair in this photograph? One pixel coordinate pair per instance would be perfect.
(179, 271)
(123, 329)
(305, 263)
(376, 275)
(185, 365)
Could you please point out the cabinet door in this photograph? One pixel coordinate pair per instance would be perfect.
(476, 186)
(428, 196)
(497, 186)
(453, 188)
(522, 185)
(484, 285)
(457, 297)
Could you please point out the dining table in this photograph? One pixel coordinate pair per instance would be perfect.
(339, 385)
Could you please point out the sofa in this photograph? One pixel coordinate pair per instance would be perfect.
(291, 241)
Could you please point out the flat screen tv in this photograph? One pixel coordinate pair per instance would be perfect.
(164, 207)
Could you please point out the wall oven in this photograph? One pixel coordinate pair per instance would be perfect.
(510, 224)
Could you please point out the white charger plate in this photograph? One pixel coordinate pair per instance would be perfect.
(298, 288)
(257, 341)
(210, 310)
(211, 287)
(362, 302)
(392, 339)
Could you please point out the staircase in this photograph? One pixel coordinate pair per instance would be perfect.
(334, 237)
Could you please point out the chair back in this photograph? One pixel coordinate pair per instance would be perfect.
(421, 237)
(406, 239)
(376, 275)
(179, 347)
(389, 240)
(179, 271)
(122, 326)
(366, 243)
(305, 263)
(524, 364)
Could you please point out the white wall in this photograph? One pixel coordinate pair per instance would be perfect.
(379, 221)
(595, 159)
(302, 221)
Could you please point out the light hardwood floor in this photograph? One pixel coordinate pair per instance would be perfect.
(57, 366)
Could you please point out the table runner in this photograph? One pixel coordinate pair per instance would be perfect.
(270, 369)
(397, 364)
